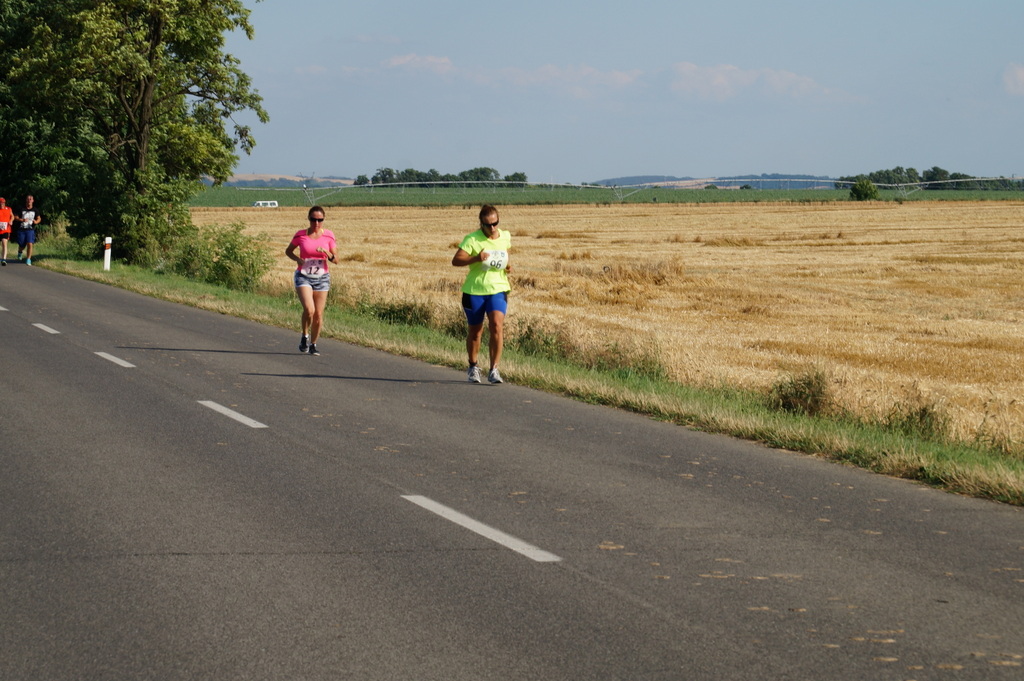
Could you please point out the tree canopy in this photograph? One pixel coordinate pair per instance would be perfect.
(932, 178)
(864, 190)
(113, 110)
(433, 177)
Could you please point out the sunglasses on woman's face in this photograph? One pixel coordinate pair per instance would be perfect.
(316, 219)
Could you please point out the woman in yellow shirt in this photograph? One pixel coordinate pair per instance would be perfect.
(485, 291)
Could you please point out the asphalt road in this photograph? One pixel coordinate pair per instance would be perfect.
(185, 496)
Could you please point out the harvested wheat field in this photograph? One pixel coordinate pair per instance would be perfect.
(919, 304)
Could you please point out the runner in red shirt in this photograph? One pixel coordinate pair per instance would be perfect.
(6, 218)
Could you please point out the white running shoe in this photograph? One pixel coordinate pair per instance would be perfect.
(494, 376)
(473, 375)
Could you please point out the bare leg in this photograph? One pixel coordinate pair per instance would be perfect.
(496, 327)
(476, 332)
(305, 294)
(316, 318)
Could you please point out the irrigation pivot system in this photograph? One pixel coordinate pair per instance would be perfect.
(689, 190)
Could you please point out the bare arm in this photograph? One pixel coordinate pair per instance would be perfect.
(462, 258)
(329, 252)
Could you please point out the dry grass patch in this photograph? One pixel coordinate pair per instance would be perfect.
(734, 241)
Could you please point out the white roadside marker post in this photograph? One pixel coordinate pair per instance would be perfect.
(106, 253)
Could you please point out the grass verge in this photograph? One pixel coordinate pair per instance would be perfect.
(971, 468)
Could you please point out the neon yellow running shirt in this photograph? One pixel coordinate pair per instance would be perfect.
(481, 281)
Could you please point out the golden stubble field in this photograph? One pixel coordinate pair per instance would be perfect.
(913, 304)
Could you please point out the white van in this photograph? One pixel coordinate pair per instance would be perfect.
(265, 204)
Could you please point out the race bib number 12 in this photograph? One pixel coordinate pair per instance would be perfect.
(313, 268)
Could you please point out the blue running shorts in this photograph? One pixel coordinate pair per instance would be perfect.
(477, 307)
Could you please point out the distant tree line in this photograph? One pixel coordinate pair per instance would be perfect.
(434, 178)
(939, 178)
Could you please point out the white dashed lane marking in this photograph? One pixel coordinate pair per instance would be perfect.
(231, 413)
(497, 536)
(116, 360)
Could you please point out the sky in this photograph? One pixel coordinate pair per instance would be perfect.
(571, 91)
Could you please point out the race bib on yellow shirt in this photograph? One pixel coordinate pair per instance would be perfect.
(496, 260)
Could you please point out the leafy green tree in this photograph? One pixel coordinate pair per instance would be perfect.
(896, 176)
(133, 99)
(864, 190)
(905, 176)
(384, 176)
(519, 178)
(963, 185)
(480, 175)
(936, 175)
(413, 176)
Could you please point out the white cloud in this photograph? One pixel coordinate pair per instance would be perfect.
(438, 65)
(726, 82)
(1013, 79)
